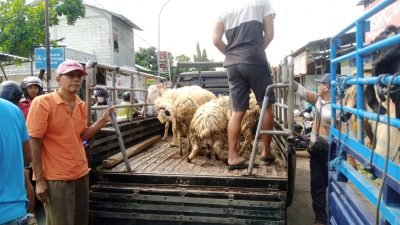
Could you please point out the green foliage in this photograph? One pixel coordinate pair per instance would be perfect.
(22, 26)
(182, 58)
(202, 57)
(147, 57)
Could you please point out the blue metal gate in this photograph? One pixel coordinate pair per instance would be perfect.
(353, 198)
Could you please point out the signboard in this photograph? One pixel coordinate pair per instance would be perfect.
(388, 16)
(57, 56)
(164, 61)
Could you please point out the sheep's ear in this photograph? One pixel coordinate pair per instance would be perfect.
(372, 101)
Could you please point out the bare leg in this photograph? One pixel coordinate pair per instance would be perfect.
(234, 127)
(268, 124)
(30, 192)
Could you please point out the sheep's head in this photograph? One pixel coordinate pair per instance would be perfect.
(154, 91)
(164, 113)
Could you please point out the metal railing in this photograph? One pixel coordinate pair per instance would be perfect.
(134, 75)
(283, 108)
(345, 205)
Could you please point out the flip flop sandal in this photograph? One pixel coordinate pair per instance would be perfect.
(267, 160)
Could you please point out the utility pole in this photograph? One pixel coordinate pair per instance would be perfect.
(158, 50)
(47, 43)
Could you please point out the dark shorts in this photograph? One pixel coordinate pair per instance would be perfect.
(245, 77)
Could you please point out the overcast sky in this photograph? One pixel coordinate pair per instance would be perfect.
(185, 22)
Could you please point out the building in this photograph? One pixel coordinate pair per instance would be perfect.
(101, 36)
(106, 35)
(313, 60)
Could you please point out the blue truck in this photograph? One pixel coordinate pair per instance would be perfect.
(353, 197)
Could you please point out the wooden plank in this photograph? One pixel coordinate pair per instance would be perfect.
(160, 158)
(117, 158)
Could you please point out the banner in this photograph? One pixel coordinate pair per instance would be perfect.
(57, 56)
(164, 65)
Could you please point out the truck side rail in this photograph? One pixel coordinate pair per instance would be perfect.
(105, 144)
(132, 74)
(352, 196)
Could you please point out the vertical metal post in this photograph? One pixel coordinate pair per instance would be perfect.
(290, 101)
(47, 43)
(360, 74)
(159, 31)
(31, 58)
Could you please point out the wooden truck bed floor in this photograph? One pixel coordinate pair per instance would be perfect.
(161, 159)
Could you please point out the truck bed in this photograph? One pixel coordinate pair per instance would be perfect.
(160, 158)
(163, 188)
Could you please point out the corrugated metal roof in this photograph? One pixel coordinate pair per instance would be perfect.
(122, 18)
(4, 57)
(346, 38)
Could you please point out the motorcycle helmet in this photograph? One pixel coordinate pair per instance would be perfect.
(297, 128)
(11, 91)
(101, 95)
(126, 96)
(28, 81)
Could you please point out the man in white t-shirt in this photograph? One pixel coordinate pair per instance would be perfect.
(249, 28)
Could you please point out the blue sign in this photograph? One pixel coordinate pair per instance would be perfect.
(57, 56)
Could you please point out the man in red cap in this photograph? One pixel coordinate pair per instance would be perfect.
(57, 125)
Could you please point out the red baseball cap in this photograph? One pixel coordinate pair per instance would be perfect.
(70, 65)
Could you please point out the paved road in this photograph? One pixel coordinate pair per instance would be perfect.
(300, 212)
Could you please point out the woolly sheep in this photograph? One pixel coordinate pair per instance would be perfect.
(209, 126)
(164, 105)
(184, 108)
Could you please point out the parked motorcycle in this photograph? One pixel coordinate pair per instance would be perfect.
(302, 132)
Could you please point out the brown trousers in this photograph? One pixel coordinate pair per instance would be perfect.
(68, 202)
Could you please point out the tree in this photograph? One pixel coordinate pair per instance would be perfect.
(202, 57)
(147, 57)
(22, 26)
(182, 58)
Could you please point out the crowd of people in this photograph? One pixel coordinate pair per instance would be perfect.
(52, 142)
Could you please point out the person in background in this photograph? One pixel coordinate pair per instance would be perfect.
(248, 26)
(100, 101)
(15, 154)
(57, 125)
(126, 112)
(31, 88)
(319, 144)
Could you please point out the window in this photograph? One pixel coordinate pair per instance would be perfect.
(116, 46)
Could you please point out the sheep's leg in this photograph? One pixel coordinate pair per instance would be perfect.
(165, 131)
(195, 143)
(174, 134)
(180, 143)
(189, 143)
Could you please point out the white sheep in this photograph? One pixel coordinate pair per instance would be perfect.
(209, 126)
(184, 108)
(164, 104)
